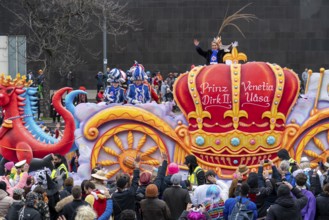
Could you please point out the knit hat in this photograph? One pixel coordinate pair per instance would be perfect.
(252, 180)
(3, 185)
(151, 191)
(176, 179)
(9, 165)
(82, 88)
(283, 190)
(173, 168)
(145, 178)
(18, 191)
(122, 182)
(190, 159)
(30, 199)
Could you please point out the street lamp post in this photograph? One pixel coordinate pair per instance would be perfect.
(104, 45)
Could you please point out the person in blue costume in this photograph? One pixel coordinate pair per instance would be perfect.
(113, 92)
(217, 52)
(138, 92)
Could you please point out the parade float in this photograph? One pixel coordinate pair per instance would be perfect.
(230, 115)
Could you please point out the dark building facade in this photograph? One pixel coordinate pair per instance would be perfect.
(291, 33)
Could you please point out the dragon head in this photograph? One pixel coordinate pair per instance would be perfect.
(8, 86)
(5, 93)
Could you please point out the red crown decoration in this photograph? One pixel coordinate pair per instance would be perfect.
(236, 113)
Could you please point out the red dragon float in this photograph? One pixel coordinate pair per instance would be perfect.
(16, 140)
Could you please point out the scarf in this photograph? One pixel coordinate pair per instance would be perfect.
(139, 93)
(213, 57)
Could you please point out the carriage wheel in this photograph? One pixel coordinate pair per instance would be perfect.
(117, 148)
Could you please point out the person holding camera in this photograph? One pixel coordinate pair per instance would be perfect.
(286, 207)
(258, 194)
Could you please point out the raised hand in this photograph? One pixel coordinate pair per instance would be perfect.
(196, 42)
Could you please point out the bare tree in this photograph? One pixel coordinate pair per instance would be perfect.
(57, 30)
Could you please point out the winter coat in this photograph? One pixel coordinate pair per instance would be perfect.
(30, 213)
(43, 209)
(140, 195)
(177, 200)
(98, 201)
(207, 54)
(125, 199)
(308, 212)
(60, 205)
(65, 192)
(230, 203)
(196, 173)
(286, 207)
(154, 207)
(13, 211)
(19, 185)
(5, 203)
(166, 183)
(315, 183)
(108, 210)
(159, 180)
(69, 210)
(270, 199)
(322, 210)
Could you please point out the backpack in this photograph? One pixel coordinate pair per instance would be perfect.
(241, 212)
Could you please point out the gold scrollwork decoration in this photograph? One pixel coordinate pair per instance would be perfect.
(235, 113)
(274, 115)
(199, 114)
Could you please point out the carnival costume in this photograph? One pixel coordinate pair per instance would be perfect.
(137, 94)
(115, 94)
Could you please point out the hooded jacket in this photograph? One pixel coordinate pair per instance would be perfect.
(200, 175)
(5, 203)
(60, 205)
(125, 199)
(308, 212)
(19, 185)
(286, 207)
(13, 211)
(154, 208)
(322, 211)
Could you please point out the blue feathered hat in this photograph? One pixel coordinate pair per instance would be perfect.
(137, 72)
(116, 76)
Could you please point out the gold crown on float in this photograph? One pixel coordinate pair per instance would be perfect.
(18, 81)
